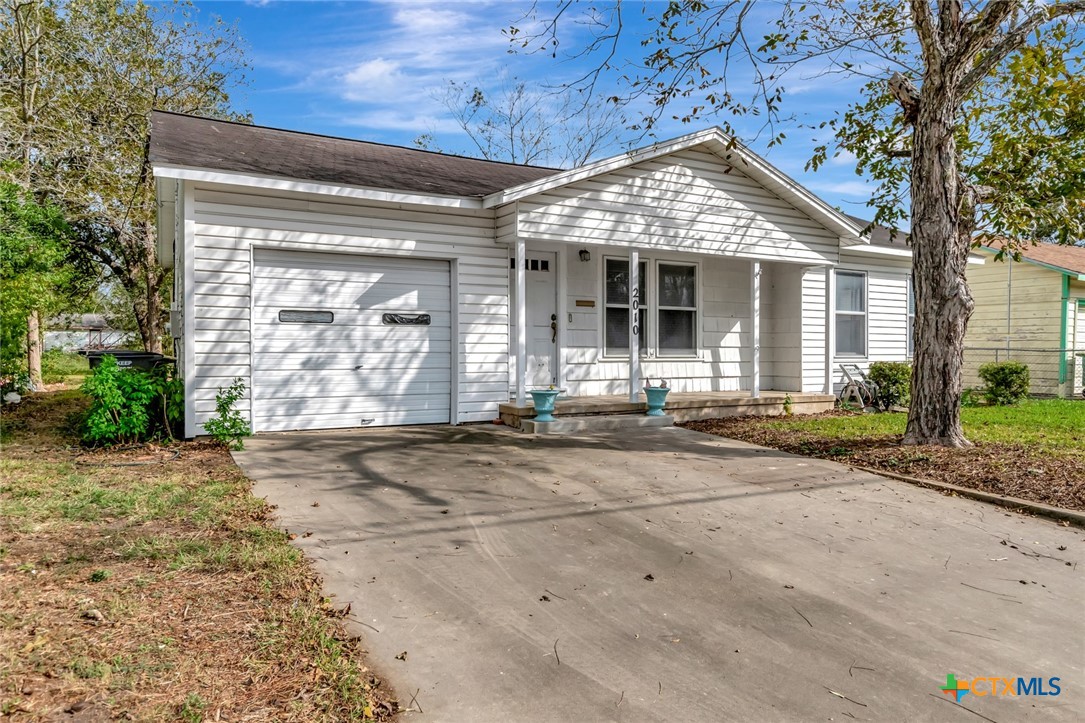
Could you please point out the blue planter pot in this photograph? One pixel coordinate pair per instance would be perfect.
(544, 404)
(657, 399)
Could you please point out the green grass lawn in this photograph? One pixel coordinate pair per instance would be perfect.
(1056, 426)
(61, 366)
(151, 584)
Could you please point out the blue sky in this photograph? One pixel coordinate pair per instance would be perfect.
(374, 71)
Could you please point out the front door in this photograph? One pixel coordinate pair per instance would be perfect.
(542, 319)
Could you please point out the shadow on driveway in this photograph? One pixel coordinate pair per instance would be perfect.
(672, 575)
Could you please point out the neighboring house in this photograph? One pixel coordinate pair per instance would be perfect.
(81, 331)
(353, 283)
(1032, 311)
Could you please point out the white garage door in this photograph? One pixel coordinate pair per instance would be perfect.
(348, 341)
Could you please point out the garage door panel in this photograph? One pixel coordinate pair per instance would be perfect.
(373, 363)
(409, 394)
(359, 278)
(305, 375)
(345, 316)
(289, 259)
(284, 383)
(342, 421)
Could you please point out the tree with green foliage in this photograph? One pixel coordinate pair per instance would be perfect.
(971, 119)
(78, 81)
(34, 276)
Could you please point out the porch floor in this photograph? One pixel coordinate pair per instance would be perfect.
(683, 406)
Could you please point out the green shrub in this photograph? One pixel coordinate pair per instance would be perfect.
(131, 405)
(894, 380)
(1007, 382)
(227, 425)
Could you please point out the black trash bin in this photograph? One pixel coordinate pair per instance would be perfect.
(127, 358)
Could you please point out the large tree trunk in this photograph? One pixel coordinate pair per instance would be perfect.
(943, 217)
(33, 351)
(149, 316)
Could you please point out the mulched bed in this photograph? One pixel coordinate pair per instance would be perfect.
(1004, 469)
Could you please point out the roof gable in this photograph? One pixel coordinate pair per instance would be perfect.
(1056, 257)
(194, 142)
(722, 145)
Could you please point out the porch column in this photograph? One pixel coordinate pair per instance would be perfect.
(755, 328)
(521, 322)
(634, 325)
(830, 327)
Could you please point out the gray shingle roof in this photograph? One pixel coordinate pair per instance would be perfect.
(884, 236)
(191, 141)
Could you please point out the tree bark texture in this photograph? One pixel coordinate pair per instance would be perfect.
(33, 351)
(943, 218)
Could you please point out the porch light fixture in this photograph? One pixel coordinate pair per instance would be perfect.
(585, 255)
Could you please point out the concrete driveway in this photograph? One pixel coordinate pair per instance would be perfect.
(669, 575)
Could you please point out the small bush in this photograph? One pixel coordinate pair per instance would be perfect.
(894, 380)
(1007, 382)
(131, 405)
(227, 425)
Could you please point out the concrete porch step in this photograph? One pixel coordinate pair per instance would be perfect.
(595, 423)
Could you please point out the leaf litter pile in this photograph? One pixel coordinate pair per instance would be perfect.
(150, 584)
(1016, 470)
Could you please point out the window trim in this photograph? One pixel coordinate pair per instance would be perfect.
(865, 313)
(650, 349)
(646, 343)
(696, 309)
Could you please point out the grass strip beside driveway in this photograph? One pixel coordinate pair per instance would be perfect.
(1035, 451)
(150, 584)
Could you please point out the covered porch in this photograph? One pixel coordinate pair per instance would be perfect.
(681, 406)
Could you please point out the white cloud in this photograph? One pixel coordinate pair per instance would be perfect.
(372, 80)
(844, 188)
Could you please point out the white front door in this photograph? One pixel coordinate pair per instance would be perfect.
(542, 318)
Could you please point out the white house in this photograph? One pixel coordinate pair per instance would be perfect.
(352, 283)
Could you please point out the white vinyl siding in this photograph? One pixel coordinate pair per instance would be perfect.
(324, 354)
(688, 201)
(887, 311)
(230, 222)
(909, 338)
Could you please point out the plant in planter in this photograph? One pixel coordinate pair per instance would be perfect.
(544, 403)
(657, 397)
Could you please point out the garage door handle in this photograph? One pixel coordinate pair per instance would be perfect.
(359, 367)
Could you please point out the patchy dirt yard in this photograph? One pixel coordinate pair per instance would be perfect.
(149, 584)
(1036, 470)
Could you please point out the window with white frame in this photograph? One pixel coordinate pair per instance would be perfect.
(616, 311)
(851, 316)
(676, 310)
(910, 343)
